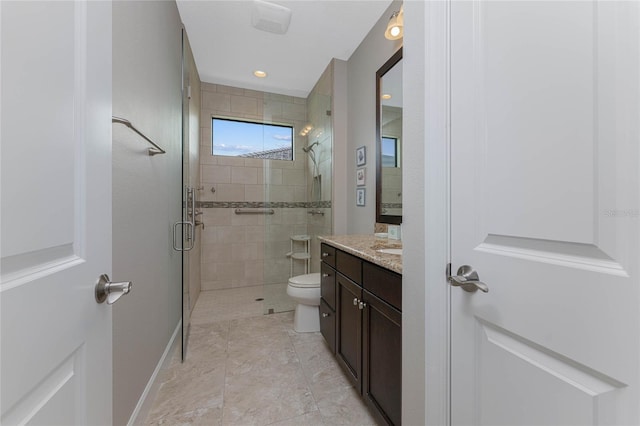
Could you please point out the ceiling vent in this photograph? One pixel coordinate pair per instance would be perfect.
(270, 17)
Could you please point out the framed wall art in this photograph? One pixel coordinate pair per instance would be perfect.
(361, 156)
(360, 197)
(361, 176)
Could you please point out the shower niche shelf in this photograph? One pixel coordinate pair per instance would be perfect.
(299, 252)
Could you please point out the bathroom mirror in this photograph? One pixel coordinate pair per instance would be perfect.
(389, 141)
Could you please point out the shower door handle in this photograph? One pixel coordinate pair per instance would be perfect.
(175, 226)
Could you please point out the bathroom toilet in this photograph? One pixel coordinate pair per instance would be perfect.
(305, 289)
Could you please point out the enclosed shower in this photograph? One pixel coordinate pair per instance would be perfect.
(262, 213)
(303, 221)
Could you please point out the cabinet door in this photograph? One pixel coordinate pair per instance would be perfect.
(382, 359)
(349, 329)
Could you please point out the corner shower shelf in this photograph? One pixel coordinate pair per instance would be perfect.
(299, 242)
(299, 256)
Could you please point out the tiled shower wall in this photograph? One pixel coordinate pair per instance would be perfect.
(249, 250)
(319, 110)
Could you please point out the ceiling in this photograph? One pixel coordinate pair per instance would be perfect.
(227, 48)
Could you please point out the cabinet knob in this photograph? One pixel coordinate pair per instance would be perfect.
(324, 315)
(326, 275)
(362, 305)
(355, 301)
(325, 254)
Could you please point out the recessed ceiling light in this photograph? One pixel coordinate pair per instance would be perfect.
(386, 96)
(260, 74)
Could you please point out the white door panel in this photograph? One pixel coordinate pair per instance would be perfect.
(56, 212)
(545, 167)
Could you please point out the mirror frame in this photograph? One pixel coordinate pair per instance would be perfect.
(383, 218)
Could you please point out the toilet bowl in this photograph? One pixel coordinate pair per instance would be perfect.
(305, 289)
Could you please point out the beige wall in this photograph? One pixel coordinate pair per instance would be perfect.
(240, 179)
(146, 193)
(249, 250)
(372, 53)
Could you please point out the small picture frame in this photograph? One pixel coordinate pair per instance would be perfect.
(361, 176)
(361, 156)
(360, 197)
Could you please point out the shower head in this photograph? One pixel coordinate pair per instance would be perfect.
(310, 147)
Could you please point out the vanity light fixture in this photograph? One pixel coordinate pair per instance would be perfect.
(395, 28)
(260, 74)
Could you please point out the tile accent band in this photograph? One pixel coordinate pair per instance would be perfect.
(263, 204)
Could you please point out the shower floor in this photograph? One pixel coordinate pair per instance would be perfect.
(236, 303)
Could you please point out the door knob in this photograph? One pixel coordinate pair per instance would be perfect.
(110, 292)
(468, 279)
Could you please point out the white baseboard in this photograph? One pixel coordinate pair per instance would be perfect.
(148, 396)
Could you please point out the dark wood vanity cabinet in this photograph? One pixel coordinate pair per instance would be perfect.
(365, 304)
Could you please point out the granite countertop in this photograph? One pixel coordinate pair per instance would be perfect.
(365, 246)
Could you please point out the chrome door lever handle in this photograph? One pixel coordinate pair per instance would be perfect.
(468, 279)
(111, 292)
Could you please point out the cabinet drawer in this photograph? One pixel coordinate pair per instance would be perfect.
(328, 255)
(328, 285)
(328, 325)
(385, 284)
(349, 266)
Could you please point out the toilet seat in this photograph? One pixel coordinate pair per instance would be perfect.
(305, 281)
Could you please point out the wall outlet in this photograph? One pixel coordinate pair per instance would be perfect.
(394, 232)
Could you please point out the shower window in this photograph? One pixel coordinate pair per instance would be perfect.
(237, 138)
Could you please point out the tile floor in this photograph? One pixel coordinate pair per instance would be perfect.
(235, 303)
(244, 368)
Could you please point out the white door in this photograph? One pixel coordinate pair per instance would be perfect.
(56, 212)
(545, 188)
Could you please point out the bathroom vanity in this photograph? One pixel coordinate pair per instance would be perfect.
(361, 317)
